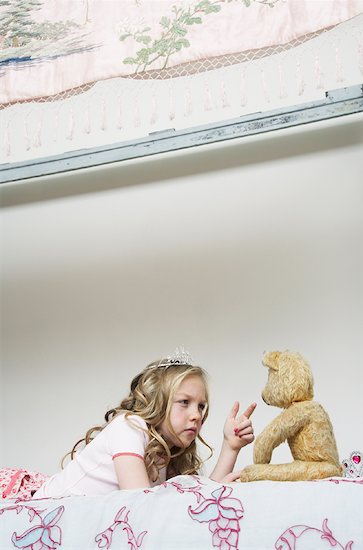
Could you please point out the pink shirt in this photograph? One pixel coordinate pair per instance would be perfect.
(92, 471)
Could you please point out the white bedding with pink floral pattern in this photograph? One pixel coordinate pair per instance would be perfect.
(196, 513)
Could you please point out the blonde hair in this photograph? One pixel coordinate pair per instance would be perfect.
(151, 397)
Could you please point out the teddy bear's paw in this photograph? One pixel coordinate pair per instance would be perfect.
(246, 474)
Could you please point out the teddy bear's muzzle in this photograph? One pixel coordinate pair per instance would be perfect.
(265, 400)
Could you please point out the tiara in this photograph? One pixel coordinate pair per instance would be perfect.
(179, 357)
(354, 466)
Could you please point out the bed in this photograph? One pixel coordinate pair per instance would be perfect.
(193, 512)
(187, 511)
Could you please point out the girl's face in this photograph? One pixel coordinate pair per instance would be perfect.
(186, 412)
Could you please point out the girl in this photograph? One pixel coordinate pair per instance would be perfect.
(151, 436)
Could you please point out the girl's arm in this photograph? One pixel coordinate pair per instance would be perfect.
(237, 433)
(131, 472)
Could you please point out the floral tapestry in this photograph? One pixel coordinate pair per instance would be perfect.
(76, 74)
(49, 47)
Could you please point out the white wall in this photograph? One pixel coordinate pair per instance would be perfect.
(229, 250)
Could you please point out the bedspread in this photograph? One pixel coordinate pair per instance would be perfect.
(193, 512)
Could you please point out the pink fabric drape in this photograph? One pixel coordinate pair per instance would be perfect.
(48, 48)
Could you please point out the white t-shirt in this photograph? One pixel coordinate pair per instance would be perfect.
(92, 471)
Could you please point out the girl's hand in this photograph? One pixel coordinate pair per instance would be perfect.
(238, 432)
(233, 476)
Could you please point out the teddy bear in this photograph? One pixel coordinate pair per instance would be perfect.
(303, 423)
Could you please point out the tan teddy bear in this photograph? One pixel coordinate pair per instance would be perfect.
(304, 424)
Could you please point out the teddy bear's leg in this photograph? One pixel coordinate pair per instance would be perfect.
(320, 470)
(294, 471)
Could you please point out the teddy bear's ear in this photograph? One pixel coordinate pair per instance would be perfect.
(271, 359)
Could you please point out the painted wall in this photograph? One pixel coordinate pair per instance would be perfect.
(229, 250)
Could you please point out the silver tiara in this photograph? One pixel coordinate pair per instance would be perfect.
(179, 357)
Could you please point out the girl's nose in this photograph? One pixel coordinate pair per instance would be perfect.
(196, 413)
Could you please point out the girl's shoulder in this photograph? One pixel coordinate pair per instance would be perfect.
(128, 428)
(129, 419)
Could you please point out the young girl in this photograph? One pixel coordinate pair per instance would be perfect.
(151, 436)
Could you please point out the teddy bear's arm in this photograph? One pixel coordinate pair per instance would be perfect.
(287, 424)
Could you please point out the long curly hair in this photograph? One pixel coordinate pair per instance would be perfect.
(151, 397)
